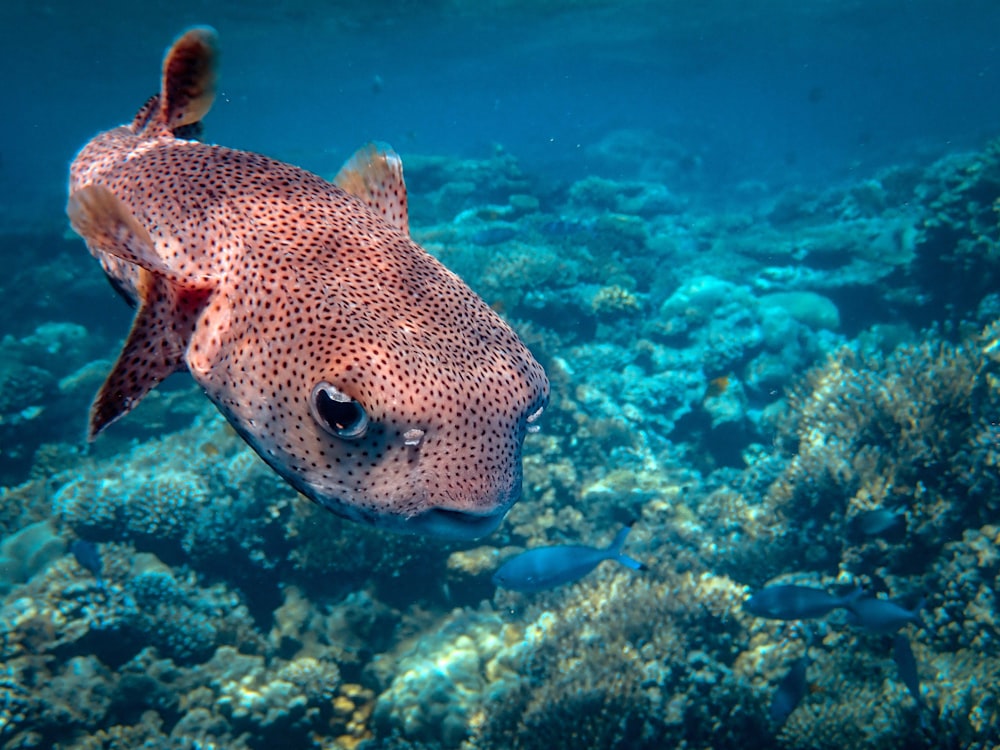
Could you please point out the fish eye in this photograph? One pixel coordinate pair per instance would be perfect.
(338, 413)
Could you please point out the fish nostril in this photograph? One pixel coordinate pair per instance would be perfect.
(414, 437)
(533, 418)
(338, 413)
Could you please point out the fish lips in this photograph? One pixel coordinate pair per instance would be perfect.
(444, 523)
(453, 524)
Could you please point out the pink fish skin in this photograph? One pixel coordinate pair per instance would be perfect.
(357, 366)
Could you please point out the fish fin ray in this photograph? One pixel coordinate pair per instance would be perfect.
(375, 175)
(154, 349)
(146, 113)
(187, 89)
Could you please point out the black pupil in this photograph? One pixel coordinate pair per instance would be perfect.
(339, 415)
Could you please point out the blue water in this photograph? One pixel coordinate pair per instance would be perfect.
(788, 92)
(756, 247)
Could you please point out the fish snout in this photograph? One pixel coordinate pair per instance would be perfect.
(470, 466)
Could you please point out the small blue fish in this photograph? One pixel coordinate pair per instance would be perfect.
(880, 522)
(561, 228)
(790, 602)
(547, 567)
(906, 663)
(494, 235)
(790, 691)
(89, 557)
(882, 615)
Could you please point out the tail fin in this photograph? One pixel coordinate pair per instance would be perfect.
(852, 596)
(917, 619)
(615, 549)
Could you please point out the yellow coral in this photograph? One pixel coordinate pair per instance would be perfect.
(615, 300)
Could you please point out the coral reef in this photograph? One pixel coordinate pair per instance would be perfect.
(743, 384)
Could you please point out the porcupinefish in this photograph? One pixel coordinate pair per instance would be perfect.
(360, 369)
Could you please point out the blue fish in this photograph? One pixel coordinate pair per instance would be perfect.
(882, 615)
(906, 663)
(89, 558)
(791, 602)
(881, 522)
(547, 567)
(790, 691)
(494, 235)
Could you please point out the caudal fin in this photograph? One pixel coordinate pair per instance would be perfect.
(189, 75)
(187, 88)
(615, 550)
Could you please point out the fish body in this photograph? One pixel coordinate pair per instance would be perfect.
(791, 602)
(547, 567)
(880, 522)
(356, 365)
(89, 557)
(789, 692)
(906, 663)
(882, 615)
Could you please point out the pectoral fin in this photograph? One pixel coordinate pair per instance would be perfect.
(154, 349)
(169, 304)
(97, 215)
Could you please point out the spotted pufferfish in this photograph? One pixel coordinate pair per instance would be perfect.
(353, 362)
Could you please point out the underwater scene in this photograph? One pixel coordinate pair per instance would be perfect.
(501, 374)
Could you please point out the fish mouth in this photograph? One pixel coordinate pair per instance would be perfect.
(453, 524)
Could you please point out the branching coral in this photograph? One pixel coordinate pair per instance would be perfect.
(613, 666)
(869, 431)
(583, 707)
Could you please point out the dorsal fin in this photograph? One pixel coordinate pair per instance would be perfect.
(375, 175)
(187, 88)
